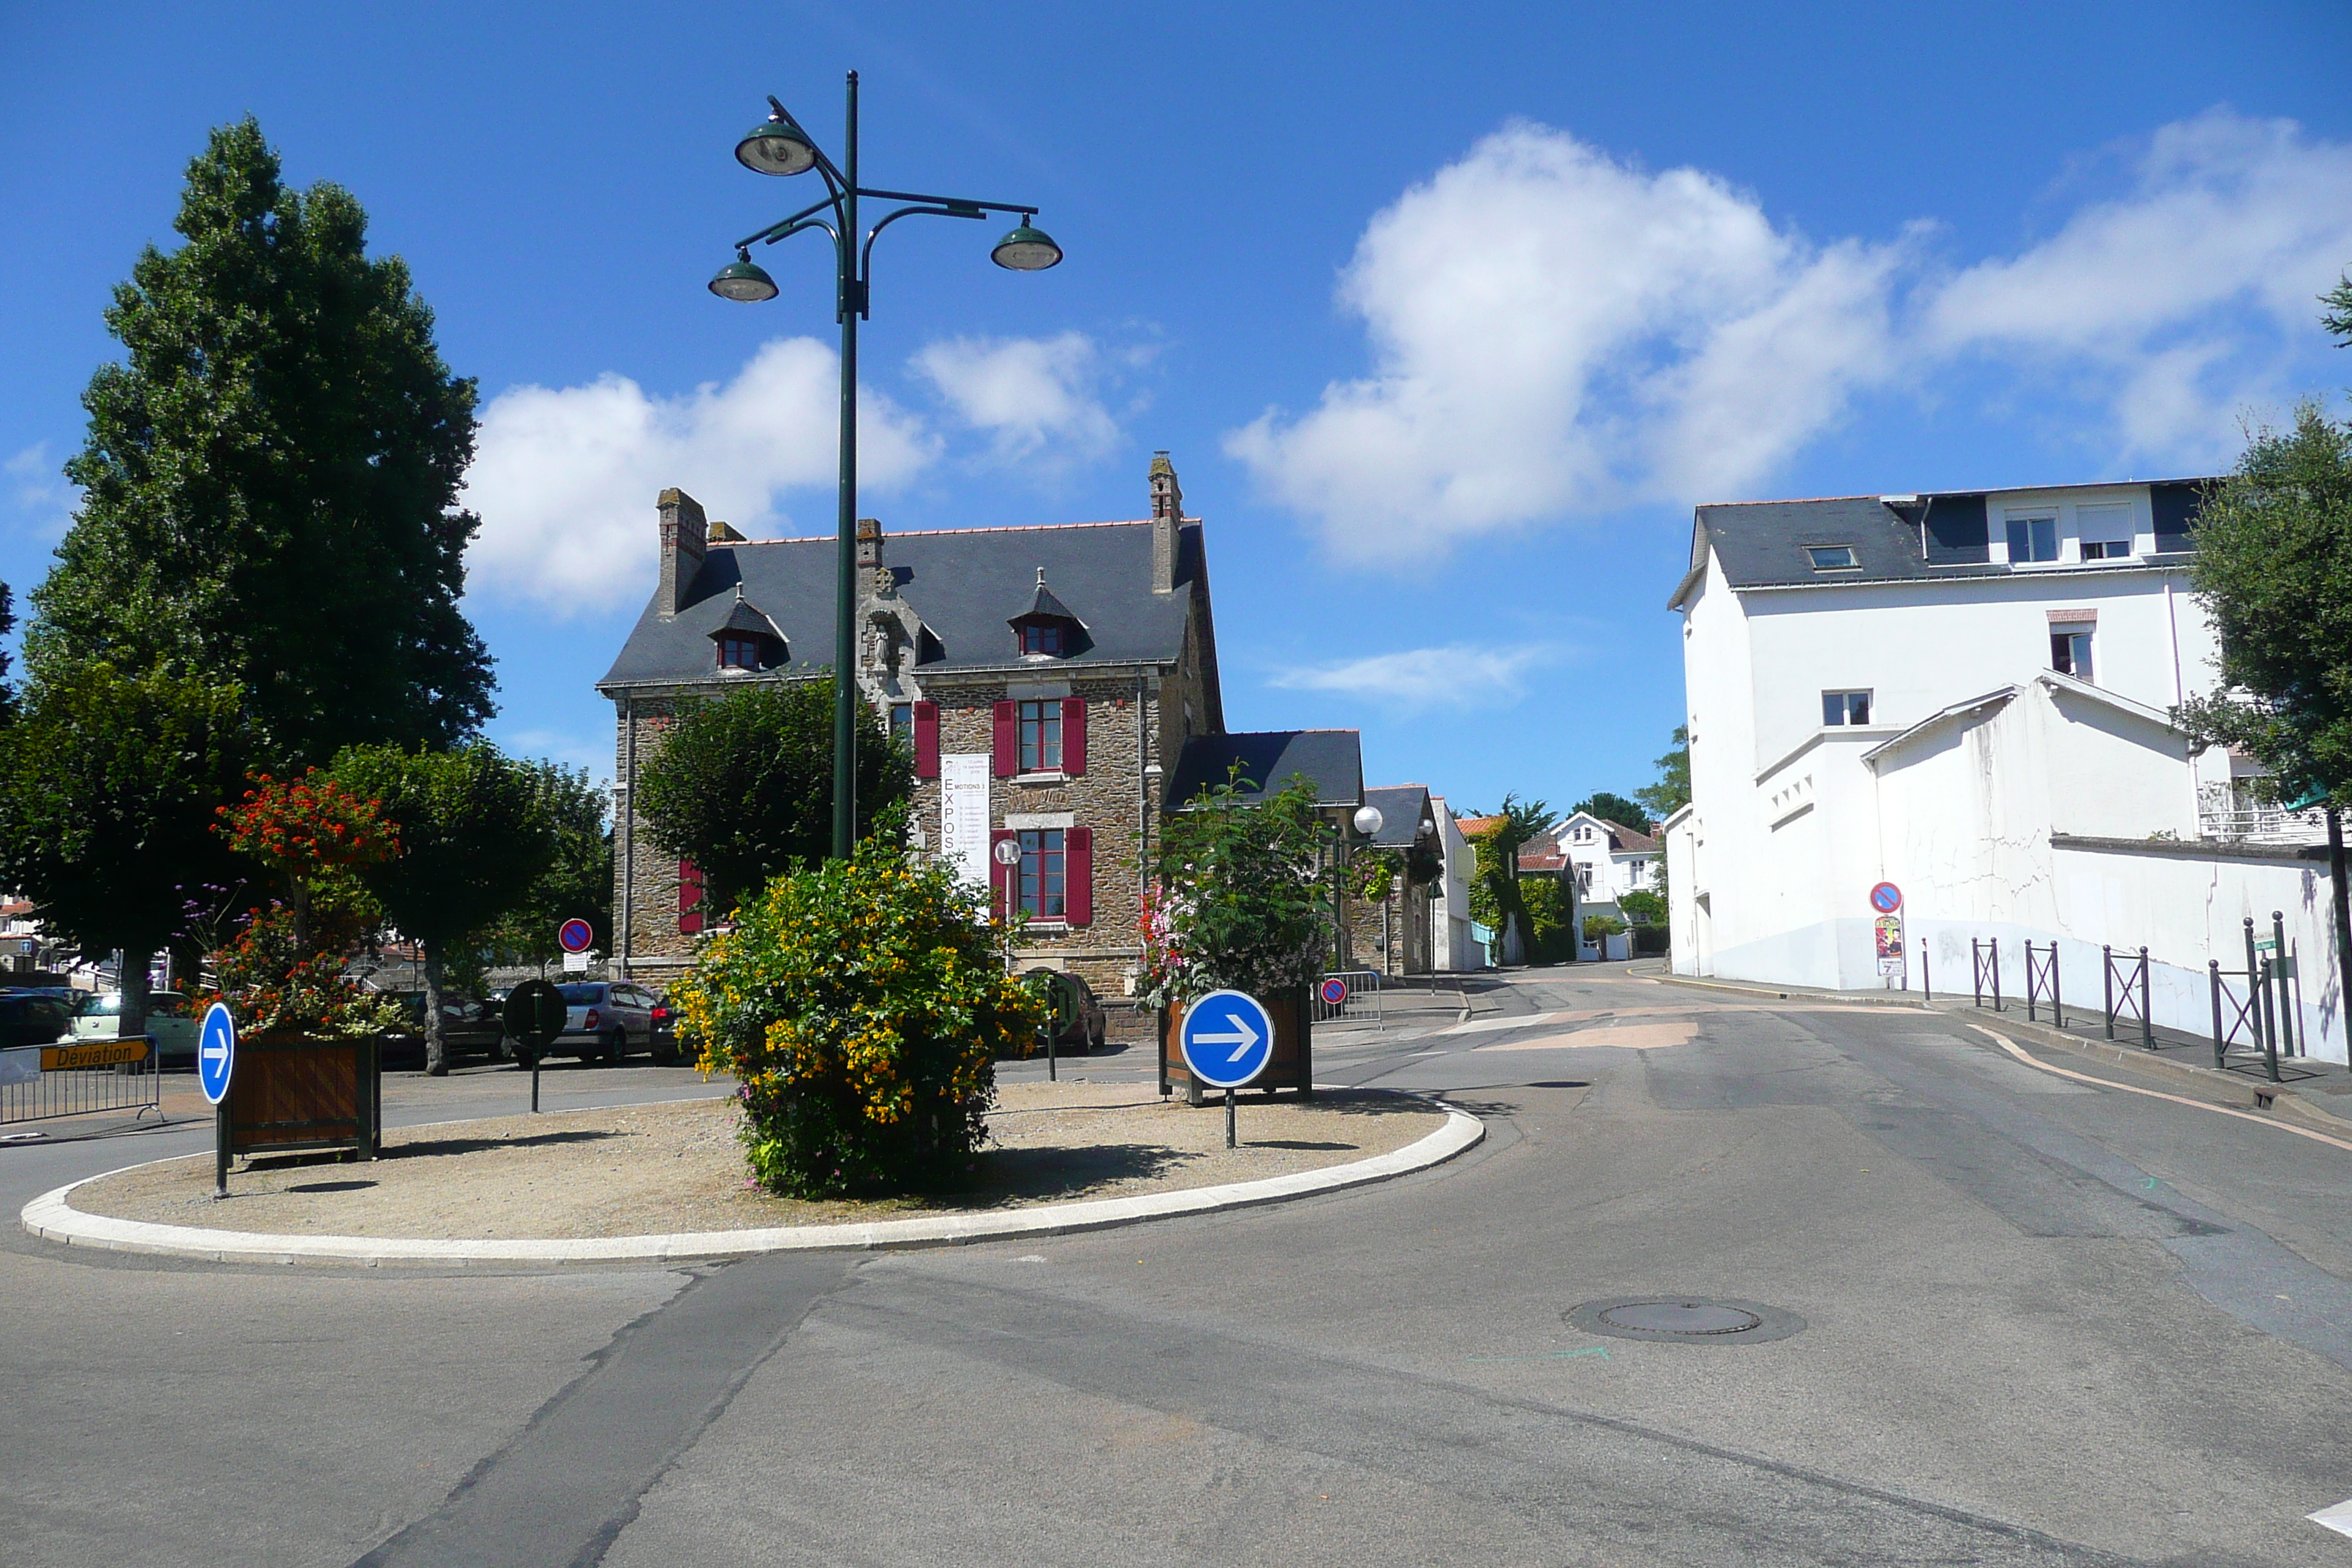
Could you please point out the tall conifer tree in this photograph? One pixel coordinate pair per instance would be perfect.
(271, 477)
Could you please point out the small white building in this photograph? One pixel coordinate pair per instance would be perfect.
(1969, 696)
(1608, 860)
(1454, 948)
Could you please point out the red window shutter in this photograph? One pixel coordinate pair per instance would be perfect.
(1008, 740)
(1074, 735)
(927, 740)
(689, 897)
(1078, 875)
(1003, 881)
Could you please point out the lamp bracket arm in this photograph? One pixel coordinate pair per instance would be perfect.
(964, 204)
(784, 227)
(865, 255)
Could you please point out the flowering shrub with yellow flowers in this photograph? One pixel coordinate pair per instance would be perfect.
(861, 1005)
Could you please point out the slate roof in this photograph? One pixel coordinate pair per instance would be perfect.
(965, 584)
(746, 616)
(1402, 808)
(1333, 760)
(1045, 605)
(1762, 543)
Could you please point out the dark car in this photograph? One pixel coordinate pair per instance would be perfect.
(1083, 1033)
(33, 1018)
(469, 1028)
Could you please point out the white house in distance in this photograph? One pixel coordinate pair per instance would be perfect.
(1454, 948)
(1969, 696)
(1610, 859)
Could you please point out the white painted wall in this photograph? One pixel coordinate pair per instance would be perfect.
(1455, 949)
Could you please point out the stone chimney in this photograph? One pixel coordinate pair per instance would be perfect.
(1166, 522)
(684, 535)
(871, 571)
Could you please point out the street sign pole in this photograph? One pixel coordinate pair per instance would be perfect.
(216, 1063)
(1229, 1120)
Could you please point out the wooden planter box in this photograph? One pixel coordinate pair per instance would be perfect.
(1291, 1067)
(293, 1093)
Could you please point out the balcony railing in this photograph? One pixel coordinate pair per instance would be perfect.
(2238, 823)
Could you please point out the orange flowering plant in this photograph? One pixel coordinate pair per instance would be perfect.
(300, 827)
(862, 1007)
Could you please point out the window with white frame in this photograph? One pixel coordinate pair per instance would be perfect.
(2070, 648)
(1845, 708)
(2105, 531)
(2033, 539)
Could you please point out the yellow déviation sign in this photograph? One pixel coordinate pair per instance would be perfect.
(97, 1054)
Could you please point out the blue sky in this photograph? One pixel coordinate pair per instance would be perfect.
(1447, 319)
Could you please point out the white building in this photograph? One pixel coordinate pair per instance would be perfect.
(1969, 696)
(1609, 861)
(1454, 948)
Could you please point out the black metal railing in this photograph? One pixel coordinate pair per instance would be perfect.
(2117, 980)
(2233, 1017)
(1986, 955)
(2042, 982)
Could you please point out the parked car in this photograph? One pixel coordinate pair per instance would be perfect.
(469, 1028)
(33, 1018)
(665, 1040)
(1084, 1032)
(171, 1022)
(604, 1020)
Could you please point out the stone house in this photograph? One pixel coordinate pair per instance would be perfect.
(1046, 678)
(1397, 935)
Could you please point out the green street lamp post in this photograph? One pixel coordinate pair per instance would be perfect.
(778, 146)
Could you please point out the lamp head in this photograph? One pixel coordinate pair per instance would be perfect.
(1027, 249)
(1368, 820)
(775, 146)
(743, 280)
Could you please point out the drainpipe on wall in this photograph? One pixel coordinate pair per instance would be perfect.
(627, 825)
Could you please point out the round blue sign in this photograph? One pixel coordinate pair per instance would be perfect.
(1334, 991)
(1886, 898)
(574, 935)
(215, 1052)
(1227, 1039)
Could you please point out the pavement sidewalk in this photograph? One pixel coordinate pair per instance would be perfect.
(2309, 1088)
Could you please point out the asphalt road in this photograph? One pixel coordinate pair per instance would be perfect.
(2023, 1320)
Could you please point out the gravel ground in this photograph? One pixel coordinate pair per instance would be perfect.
(676, 1166)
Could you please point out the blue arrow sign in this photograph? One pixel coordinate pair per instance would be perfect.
(1227, 1039)
(217, 1052)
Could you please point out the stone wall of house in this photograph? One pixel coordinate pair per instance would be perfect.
(644, 881)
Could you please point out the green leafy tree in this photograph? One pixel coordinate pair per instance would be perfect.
(270, 477)
(1495, 897)
(742, 784)
(2339, 317)
(473, 837)
(1672, 792)
(8, 624)
(862, 1009)
(1239, 901)
(2274, 568)
(1650, 905)
(578, 882)
(108, 786)
(1614, 808)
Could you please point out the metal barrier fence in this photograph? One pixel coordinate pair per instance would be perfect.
(2232, 1015)
(2041, 982)
(1354, 983)
(39, 1082)
(1979, 951)
(2130, 971)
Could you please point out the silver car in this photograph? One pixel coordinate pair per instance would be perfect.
(604, 1020)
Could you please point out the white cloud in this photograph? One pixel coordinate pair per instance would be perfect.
(1554, 332)
(39, 492)
(565, 479)
(2180, 299)
(1456, 675)
(1026, 393)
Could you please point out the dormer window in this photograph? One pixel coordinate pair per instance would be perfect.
(1048, 629)
(1833, 558)
(746, 638)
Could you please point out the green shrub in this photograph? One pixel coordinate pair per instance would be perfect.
(1599, 926)
(1648, 908)
(862, 1007)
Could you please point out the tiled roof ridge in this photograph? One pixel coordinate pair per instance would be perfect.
(1979, 490)
(936, 532)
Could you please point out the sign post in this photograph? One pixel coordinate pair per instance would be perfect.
(535, 1014)
(215, 1062)
(1886, 904)
(1227, 1039)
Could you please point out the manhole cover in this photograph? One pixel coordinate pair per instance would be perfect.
(1686, 1319)
(1680, 1318)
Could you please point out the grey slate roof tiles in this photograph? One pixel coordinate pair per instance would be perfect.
(965, 584)
(1332, 761)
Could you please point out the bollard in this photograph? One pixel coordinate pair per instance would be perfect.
(2057, 998)
(2269, 1026)
(1927, 981)
(2107, 985)
(2147, 1024)
(1976, 968)
(1996, 974)
(2213, 979)
(2278, 970)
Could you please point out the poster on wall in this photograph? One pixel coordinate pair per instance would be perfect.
(963, 814)
(1889, 929)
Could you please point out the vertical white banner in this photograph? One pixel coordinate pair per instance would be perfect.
(963, 814)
